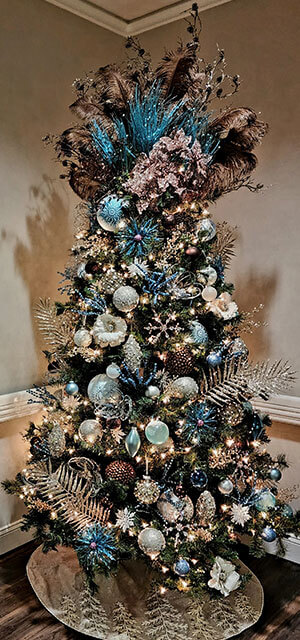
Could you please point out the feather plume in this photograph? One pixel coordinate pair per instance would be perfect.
(240, 380)
(224, 243)
(83, 185)
(55, 330)
(173, 72)
(114, 89)
(68, 495)
(241, 127)
(86, 108)
(230, 167)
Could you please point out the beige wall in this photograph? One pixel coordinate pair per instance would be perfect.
(43, 49)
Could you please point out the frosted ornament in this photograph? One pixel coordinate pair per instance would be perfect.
(157, 432)
(89, 431)
(125, 298)
(209, 294)
(151, 541)
(82, 338)
(103, 390)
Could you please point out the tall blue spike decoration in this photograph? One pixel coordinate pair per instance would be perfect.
(103, 143)
(138, 237)
(200, 423)
(96, 546)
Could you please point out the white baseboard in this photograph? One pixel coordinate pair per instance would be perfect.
(292, 548)
(12, 537)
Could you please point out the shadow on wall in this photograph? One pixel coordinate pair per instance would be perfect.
(50, 238)
(252, 290)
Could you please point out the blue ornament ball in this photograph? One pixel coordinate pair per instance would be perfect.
(181, 567)
(265, 500)
(214, 359)
(275, 474)
(157, 432)
(268, 534)
(71, 388)
(287, 511)
(199, 478)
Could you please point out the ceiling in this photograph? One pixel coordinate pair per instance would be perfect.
(130, 17)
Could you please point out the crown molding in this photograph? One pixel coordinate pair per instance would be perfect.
(88, 10)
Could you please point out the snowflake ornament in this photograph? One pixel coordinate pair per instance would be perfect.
(125, 519)
(240, 514)
(117, 434)
(160, 328)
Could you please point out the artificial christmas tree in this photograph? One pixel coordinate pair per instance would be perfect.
(150, 447)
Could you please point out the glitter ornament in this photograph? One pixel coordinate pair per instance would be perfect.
(120, 471)
(71, 388)
(110, 281)
(157, 432)
(238, 348)
(89, 431)
(287, 511)
(209, 294)
(207, 276)
(198, 478)
(225, 486)
(133, 442)
(113, 371)
(152, 391)
(181, 567)
(275, 474)
(146, 490)
(198, 334)
(104, 390)
(56, 441)
(232, 414)
(207, 229)
(82, 338)
(180, 362)
(133, 353)
(205, 508)
(109, 330)
(125, 298)
(192, 251)
(184, 387)
(214, 359)
(173, 508)
(240, 514)
(151, 541)
(265, 500)
(268, 534)
(110, 212)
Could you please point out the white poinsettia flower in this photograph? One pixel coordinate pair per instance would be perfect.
(240, 514)
(109, 330)
(138, 268)
(224, 577)
(223, 306)
(125, 519)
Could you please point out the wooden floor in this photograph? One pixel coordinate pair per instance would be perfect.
(23, 618)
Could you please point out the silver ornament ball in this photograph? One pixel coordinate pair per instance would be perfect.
(225, 487)
(152, 391)
(113, 371)
(151, 541)
(104, 390)
(125, 298)
(82, 338)
(184, 387)
(89, 431)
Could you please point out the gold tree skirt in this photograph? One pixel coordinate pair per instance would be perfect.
(126, 608)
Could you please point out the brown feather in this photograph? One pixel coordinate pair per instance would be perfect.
(173, 72)
(241, 127)
(230, 167)
(83, 185)
(85, 108)
(114, 89)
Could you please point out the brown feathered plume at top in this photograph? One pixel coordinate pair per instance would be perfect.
(173, 72)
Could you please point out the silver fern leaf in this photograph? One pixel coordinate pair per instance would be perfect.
(240, 380)
(225, 240)
(55, 329)
(68, 495)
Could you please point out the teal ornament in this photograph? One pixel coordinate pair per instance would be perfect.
(181, 567)
(157, 432)
(268, 534)
(287, 511)
(71, 388)
(199, 478)
(265, 500)
(198, 333)
(214, 359)
(225, 487)
(275, 474)
(207, 229)
(133, 442)
(110, 212)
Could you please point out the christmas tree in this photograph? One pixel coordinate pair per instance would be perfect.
(149, 445)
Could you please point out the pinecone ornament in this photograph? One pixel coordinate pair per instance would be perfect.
(180, 363)
(121, 471)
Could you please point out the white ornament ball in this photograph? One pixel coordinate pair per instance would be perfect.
(225, 487)
(209, 294)
(82, 338)
(207, 276)
(125, 298)
(184, 387)
(89, 431)
(113, 371)
(81, 272)
(104, 390)
(151, 541)
(152, 391)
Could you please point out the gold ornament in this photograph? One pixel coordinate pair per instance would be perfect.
(146, 490)
(232, 414)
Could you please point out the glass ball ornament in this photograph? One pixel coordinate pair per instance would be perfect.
(275, 474)
(89, 431)
(104, 390)
(185, 387)
(125, 298)
(157, 432)
(71, 388)
(238, 348)
(287, 511)
(152, 391)
(199, 478)
(173, 508)
(132, 442)
(268, 534)
(110, 212)
(113, 371)
(181, 567)
(151, 541)
(146, 490)
(225, 486)
(82, 338)
(207, 229)
(265, 500)
(214, 359)
(209, 294)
